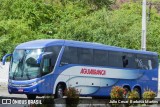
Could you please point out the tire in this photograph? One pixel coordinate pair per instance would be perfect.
(59, 91)
(138, 91)
(30, 96)
(126, 92)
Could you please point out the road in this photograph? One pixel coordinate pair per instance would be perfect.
(4, 93)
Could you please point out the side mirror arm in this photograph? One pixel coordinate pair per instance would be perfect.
(5, 57)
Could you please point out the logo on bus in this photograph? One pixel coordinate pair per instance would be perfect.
(93, 71)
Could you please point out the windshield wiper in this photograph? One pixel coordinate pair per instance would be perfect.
(20, 62)
(14, 73)
(23, 67)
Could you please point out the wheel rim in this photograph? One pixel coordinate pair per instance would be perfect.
(60, 93)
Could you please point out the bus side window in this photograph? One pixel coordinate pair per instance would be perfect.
(154, 61)
(142, 61)
(129, 61)
(115, 59)
(69, 56)
(125, 61)
(85, 56)
(100, 57)
(55, 50)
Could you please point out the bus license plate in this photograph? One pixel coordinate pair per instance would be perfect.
(20, 90)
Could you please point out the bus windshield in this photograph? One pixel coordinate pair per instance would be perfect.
(24, 64)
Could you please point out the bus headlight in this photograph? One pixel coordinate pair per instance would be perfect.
(34, 83)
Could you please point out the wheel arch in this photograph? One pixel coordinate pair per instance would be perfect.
(139, 90)
(127, 86)
(62, 83)
(138, 87)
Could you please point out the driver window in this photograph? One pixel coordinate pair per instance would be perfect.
(46, 66)
(55, 50)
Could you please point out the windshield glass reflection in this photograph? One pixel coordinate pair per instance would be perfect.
(24, 64)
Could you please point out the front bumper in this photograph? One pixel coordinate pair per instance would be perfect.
(23, 90)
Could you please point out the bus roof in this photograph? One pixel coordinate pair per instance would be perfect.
(51, 42)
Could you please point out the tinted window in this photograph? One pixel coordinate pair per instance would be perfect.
(154, 61)
(147, 62)
(129, 60)
(69, 56)
(85, 56)
(55, 50)
(115, 59)
(100, 57)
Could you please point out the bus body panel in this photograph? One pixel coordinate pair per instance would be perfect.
(79, 77)
(90, 80)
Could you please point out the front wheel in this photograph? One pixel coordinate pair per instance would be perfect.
(59, 91)
(30, 96)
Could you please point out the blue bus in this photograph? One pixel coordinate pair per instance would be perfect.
(48, 67)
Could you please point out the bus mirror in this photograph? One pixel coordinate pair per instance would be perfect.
(5, 57)
(42, 55)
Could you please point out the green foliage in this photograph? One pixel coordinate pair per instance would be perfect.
(84, 20)
(149, 94)
(117, 92)
(108, 27)
(71, 92)
(72, 99)
(133, 95)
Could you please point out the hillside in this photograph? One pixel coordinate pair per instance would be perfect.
(110, 22)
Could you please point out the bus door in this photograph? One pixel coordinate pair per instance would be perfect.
(46, 67)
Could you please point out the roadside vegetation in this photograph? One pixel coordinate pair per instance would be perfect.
(111, 22)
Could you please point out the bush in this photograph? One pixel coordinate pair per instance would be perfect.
(133, 95)
(117, 92)
(149, 94)
(72, 99)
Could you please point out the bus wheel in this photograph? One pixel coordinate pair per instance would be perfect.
(30, 96)
(59, 91)
(138, 91)
(126, 92)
